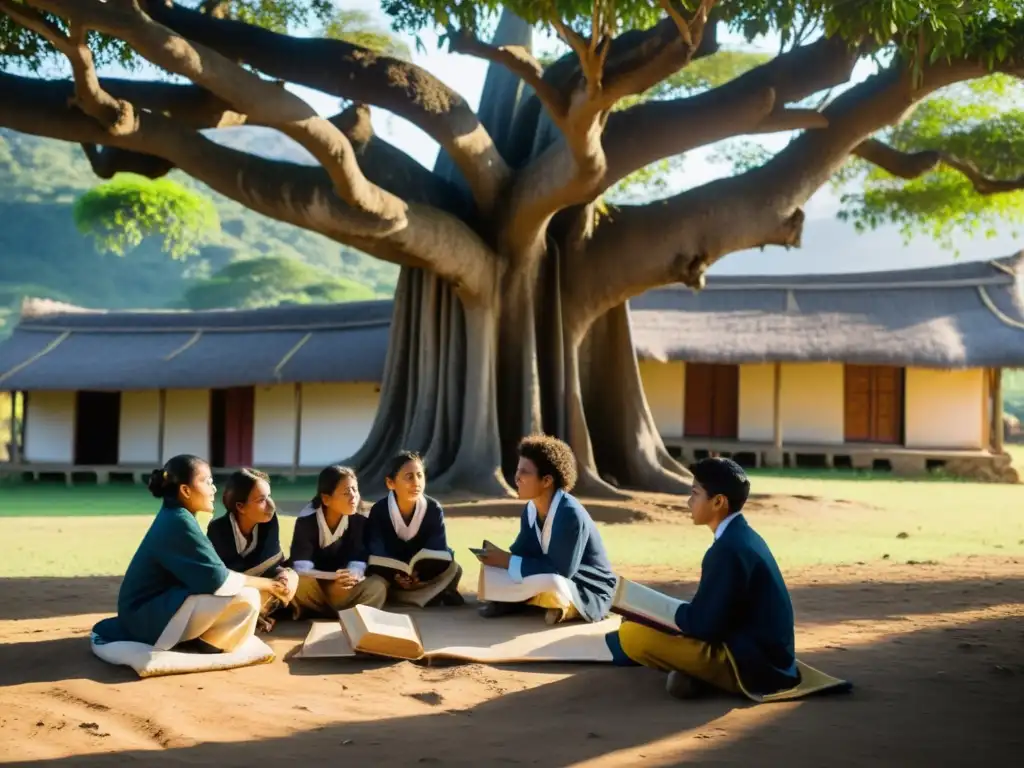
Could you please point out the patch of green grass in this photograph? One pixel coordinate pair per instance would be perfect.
(940, 522)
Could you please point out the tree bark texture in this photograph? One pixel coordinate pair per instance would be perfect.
(511, 312)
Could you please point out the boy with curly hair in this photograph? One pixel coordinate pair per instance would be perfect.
(558, 556)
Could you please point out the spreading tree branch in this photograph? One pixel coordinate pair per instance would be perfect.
(911, 165)
(296, 194)
(570, 173)
(654, 130)
(360, 75)
(266, 102)
(677, 239)
(517, 60)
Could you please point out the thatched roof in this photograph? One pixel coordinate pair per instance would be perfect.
(961, 316)
(60, 347)
(965, 315)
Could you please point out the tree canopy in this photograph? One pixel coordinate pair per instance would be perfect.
(522, 246)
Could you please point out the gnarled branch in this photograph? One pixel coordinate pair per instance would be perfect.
(648, 132)
(517, 60)
(296, 194)
(263, 101)
(911, 165)
(677, 239)
(359, 75)
(570, 172)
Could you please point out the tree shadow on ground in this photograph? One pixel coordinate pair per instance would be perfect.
(43, 597)
(919, 700)
(824, 602)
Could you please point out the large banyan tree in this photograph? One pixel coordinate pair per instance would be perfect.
(511, 314)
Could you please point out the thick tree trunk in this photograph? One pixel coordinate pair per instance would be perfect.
(464, 383)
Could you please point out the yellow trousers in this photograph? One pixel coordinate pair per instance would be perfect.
(705, 661)
(327, 598)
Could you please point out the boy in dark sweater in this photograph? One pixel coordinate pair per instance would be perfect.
(741, 608)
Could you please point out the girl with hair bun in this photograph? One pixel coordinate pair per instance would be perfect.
(177, 592)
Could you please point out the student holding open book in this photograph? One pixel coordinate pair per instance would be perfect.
(407, 542)
(329, 551)
(558, 561)
(739, 625)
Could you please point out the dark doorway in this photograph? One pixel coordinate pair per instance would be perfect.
(712, 401)
(231, 426)
(97, 428)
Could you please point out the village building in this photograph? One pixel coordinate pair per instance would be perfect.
(898, 370)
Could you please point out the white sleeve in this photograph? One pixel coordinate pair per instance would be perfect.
(232, 585)
(358, 568)
(301, 566)
(515, 569)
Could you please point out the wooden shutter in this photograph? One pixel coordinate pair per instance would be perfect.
(712, 401)
(873, 404)
(238, 426)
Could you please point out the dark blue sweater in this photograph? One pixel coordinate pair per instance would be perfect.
(742, 601)
(576, 552)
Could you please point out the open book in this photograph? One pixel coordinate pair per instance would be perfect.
(409, 568)
(371, 630)
(646, 606)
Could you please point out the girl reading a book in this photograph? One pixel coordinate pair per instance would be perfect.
(247, 539)
(329, 551)
(177, 592)
(407, 542)
(557, 562)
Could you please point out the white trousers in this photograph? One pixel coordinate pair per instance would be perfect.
(223, 622)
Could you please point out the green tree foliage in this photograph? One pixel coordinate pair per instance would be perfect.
(980, 124)
(271, 281)
(123, 212)
(359, 28)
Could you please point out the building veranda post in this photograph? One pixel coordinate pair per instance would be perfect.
(899, 370)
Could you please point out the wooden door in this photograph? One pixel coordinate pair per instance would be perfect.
(873, 404)
(231, 426)
(712, 401)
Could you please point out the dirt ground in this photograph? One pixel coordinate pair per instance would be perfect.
(935, 651)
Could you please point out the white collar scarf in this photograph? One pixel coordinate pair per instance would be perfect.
(243, 547)
(544, 536)
(327, 536)
(407, 532)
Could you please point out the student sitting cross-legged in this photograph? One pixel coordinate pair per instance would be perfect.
(330, 538)
(177, 591)
(247, 539)
(407, 541)
(741, 608)
(558, 550)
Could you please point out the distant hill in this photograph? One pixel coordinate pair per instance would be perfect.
(42, 253)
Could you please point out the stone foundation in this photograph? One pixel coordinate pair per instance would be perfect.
(990, 469)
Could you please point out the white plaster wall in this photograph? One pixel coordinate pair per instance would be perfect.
(945, 409)
(757, 402)
(50, 427)
(273, 440)
(812, 403)
(139, 432)
(336, 418)
(665, 388)
(187, 423)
